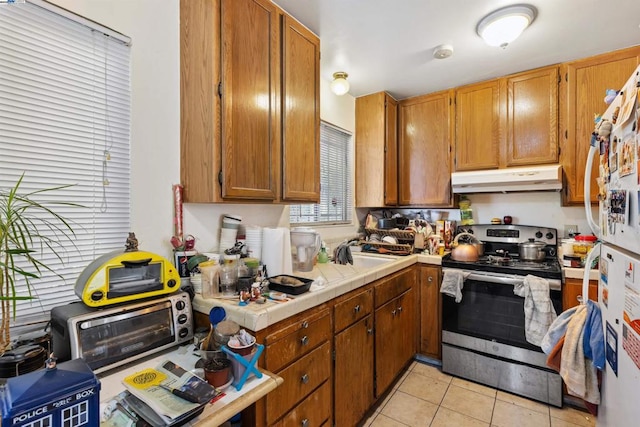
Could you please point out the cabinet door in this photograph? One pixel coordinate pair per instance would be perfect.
(353, 372)
(301, 113)
(532, 117)
(424, 167)
(572, 288)
(430, 306)
(250, 99)
(478, 126)
(376, 150)
(584, 83)
(387, 341)
(407, 328)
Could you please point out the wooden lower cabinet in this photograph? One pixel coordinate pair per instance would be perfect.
(430, 312)
(353, 356)
(572, 288)
(338, 358)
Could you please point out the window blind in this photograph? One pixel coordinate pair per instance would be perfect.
(336, 201)
(65, 120)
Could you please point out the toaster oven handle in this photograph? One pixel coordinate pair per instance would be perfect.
(136, 263)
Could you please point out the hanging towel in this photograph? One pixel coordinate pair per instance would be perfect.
(593, 343)
(539, 313)
(452, 283)
(557, 330)
(578, 373)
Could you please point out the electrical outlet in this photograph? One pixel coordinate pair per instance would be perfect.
(570, 230)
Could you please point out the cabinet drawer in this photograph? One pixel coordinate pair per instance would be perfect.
(296, 340)
(353, 309)
(300, 379)
(313, 411)
(391, 287)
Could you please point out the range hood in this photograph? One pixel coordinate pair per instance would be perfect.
(530, 178)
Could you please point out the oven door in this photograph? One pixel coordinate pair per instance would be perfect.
(489, 309)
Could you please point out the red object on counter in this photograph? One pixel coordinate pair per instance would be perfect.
(586, 238)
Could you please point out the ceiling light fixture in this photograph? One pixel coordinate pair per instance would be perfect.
(501, 27)
(340, 85)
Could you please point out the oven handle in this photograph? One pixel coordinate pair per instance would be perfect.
(503, 279)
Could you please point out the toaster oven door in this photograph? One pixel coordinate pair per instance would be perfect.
(117, 339)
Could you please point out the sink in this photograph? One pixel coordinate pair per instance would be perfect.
(367, 261)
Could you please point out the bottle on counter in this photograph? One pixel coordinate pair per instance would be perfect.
(323, 256)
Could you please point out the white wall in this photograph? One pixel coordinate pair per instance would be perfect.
(535, 208)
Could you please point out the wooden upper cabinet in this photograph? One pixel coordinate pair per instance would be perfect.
(532, 117)
(424, 146)
(376, 150)
(199, 101)
(250, 96)
(301, 112)
(250, 99)
(583, 86)
(478, 126)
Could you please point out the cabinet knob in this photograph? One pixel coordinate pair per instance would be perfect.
(399, 309)
(393, 312)
(430, 279)
(305, 422)
(304, 340)
(305, 324)
(370, 331)
(356, 309)
(305, 379)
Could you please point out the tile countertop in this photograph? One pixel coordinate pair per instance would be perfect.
(578, 273)
(340, 280)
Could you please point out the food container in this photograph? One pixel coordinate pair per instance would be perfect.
(573, 261)
(583, 244)
(567, 246)
(289, 284)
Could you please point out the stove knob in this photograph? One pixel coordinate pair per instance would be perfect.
(549, 235)
(538, 234)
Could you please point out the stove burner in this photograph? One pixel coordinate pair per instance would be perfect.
(499, 260)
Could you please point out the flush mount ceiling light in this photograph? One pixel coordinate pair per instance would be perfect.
(501, 27)
(340, 85)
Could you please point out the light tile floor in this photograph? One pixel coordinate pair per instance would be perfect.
(424, 396)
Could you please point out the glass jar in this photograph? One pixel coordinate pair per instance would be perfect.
(583, 244)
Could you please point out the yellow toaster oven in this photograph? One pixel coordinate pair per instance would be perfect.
(126, 276)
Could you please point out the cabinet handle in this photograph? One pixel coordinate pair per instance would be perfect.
(304, 340)
(305, 422)
(370, 331)
(393, 312)
(305, 324)
(304, 379)
(399, 309)
(356, 309)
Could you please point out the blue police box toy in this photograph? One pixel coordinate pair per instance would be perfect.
(63, 395)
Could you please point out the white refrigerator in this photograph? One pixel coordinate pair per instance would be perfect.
(618, 228)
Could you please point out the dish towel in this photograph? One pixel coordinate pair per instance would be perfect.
(576, 370)
(452, 283)
(557, 330)
(539, 313)
(593, 343)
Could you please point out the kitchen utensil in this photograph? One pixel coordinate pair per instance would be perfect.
(532, 250)
(289, 284)
(466, 252)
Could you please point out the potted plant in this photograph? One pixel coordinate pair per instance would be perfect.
(27, 225)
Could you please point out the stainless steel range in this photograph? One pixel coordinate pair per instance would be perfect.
(483, 336)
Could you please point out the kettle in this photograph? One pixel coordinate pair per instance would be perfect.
(467, 252)
(305, 245)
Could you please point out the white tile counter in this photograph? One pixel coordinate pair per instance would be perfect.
(578, 273)
(340, 280)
